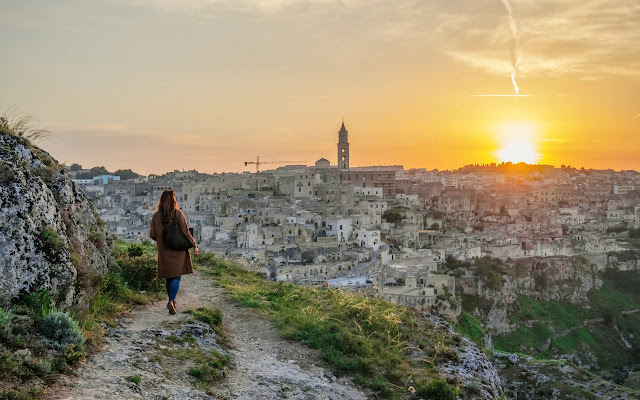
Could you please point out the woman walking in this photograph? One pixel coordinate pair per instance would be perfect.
(172, 264)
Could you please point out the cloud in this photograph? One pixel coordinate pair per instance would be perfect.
(590, 38)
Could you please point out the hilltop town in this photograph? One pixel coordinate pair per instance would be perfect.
(383, 229)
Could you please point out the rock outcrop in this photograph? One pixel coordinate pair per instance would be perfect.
(470, 366)
(549, 278)
(50, 235)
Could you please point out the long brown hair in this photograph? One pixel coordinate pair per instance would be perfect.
(167, 205)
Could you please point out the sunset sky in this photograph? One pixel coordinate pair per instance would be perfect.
(158, 85)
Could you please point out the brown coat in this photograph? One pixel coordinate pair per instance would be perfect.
(171, 263)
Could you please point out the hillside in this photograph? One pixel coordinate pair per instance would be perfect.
(565, 309)
(63, 291)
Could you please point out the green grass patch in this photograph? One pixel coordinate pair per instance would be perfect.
(206, 367)
(135, 379)
(469, 326)
(211, 317)
(366, 337)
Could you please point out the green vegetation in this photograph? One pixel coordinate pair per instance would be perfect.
(437, 389)
(591, 333)
(366, 337)
(490, 270)
(141, 272)
(46, 173)
(394, 215)
(469, 326)
(95, 171)
(61, 331)
(51, 241)
(125, 174)
(135, 379)
(22, 127)
(206, 367)
(211, 317)
(38, 342)
(625, 255)
(6, 174)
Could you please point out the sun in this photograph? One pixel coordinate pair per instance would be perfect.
(518, 143)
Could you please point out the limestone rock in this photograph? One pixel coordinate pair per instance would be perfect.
(50, 235)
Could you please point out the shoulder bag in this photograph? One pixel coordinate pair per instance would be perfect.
(174, 238)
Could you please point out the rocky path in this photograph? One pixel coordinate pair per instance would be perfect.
(264, 366)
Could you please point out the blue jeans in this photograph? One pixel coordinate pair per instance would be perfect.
(173, 284)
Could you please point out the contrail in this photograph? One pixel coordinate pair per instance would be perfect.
(516, 52)
(502, 95)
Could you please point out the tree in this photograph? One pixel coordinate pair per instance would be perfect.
(95, 171)
(75, 167)
(125, 174)
(392, 216)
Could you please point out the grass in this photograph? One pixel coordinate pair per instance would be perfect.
(211, 317)
(206, 367)
(54, 348)
(469, 326)
(384, 346)
(135, 379)
(21, 126)
(598, 340)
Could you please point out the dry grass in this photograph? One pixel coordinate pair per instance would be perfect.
(21, 126)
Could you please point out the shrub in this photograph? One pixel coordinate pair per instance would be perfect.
(97, 238)
(6, 317)
(141, 272)
(13, 328)
(52, 243)
(135, 250)
(541, 281)
(393, 216)
(437, 389)
(61, 331)
(46, 173)
(40, 302)
(6, 174)
(135, 379)
(30, 393)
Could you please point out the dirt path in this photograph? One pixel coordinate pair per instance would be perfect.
(264, 366)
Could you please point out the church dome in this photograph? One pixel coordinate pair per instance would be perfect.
(323, 163)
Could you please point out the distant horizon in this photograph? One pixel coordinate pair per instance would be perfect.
(334, 166)
(209, 84)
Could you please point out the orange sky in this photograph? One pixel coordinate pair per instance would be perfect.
(159, 85)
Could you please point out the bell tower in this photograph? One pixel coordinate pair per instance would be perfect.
(343, 148)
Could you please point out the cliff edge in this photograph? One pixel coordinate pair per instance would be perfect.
(50, 234)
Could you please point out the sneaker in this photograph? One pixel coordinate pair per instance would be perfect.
(175, 306)
(172, 307)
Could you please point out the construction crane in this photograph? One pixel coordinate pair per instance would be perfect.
(258, 163)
